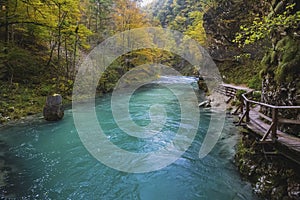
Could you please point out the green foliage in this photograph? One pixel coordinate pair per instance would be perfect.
(242, 74)
(239, 93)
(179, 15)
(108, 80)
(51, 30)
(127, 15)
(46, 89)
(255, 82)
(61, 85)
(18, 100)
(196, 29)
(266, 26)
(243, 56)
(42, 41)
(17, 64)
(256, 95)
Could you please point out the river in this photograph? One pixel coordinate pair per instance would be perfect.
(47, 160)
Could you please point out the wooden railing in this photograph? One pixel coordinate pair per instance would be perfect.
(248, 104)
(227, 91)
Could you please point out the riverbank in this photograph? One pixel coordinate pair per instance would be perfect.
(272, 176)
(19, 101)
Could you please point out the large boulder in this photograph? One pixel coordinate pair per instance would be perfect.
(53, 110)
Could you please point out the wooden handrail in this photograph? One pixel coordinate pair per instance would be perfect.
(274, 119)
(267, 105)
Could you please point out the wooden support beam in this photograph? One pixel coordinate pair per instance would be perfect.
(274, 122)
(267, 133)
(242, 118)
(237, 109)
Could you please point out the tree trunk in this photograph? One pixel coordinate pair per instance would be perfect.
(59, 34)
(66, 58)
(6, 23)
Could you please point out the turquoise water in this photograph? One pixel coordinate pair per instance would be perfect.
(44, 160)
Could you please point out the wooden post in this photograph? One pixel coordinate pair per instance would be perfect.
(275, 122)
(242, 108)
(247, 111)
(242, 103)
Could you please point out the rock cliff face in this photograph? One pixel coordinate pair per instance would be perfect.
(220, 26)
(281, 81)
(281, 73)
(280, 70)
(223, 21)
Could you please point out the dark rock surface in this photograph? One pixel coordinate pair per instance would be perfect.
(53, 110)
(223, 21)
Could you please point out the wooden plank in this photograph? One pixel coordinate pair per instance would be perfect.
(263, 116)
(288, 121)
(274, 122)
(258, 130)
(241, 119)
(260, 127)
(287, 107)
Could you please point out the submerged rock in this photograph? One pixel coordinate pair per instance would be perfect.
(53, 110)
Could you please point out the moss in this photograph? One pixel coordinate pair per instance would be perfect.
(240, 73)
(256, 95)
(266, 59)
(286, 71)
(255, 82)
(284, 61)
(21, 100)
(273, 57)
(289, 47)
(262, 73)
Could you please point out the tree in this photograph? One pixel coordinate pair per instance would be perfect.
(127, 15)
(272, 26)
(196, 30)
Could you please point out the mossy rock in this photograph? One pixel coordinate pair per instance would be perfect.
(284, 61)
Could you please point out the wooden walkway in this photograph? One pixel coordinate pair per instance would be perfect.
(260, 127)
(265, 127)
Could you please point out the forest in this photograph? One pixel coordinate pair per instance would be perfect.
(43, 42)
